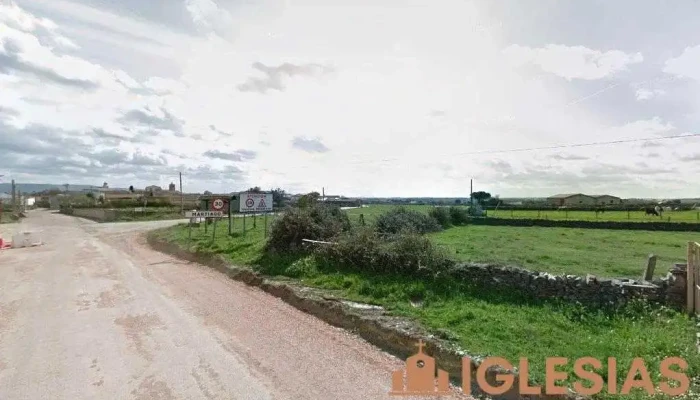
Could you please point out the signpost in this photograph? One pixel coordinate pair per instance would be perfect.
(255, 202)
(204, 214)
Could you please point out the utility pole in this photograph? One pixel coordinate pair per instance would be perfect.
(471, 195)
(14, 197)
(1, 204)
(182, 197)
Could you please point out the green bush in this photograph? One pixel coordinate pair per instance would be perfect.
(459, 215)
(42, 204)
(315, 222)
(401, 219)
(406, 254)
(441, 215)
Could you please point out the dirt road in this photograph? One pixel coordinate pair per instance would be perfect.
(95, 314)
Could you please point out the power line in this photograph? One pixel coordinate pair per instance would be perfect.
(564, 146)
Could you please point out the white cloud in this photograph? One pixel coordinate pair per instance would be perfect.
(14, 17)
(687, 65)
(573, 62)
(647, 94)
(212, 19)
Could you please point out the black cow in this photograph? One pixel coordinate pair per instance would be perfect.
(651, 211)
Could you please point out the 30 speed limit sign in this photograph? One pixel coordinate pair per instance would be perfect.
(217, 204)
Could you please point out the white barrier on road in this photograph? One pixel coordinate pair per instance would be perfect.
(26, 239)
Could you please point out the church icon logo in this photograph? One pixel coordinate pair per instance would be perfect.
(420, 377)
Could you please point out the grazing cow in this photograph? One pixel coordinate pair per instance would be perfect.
(652, 211)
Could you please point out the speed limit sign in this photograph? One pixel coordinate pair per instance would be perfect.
(217, 204)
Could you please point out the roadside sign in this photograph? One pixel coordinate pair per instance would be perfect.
(255, 202)
(204, 214)
(217, 204)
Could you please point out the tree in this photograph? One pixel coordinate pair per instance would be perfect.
(458, 201)
(207, 193)
(255, 190)
(308, 199)
(278, 197)
(131, 189)
(481, 197)
(493, 201)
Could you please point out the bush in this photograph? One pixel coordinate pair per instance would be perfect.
(400, 219)
(459, 215)
(42, 204)
(441, 215)
(406, 254)
(315, 222)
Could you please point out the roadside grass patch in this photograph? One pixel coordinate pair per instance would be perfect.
(8, 218)
(152, 214)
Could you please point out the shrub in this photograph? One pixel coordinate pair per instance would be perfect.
(315, 222)
(441, 215)
(406, 254)
(400, 219)
(459, 215)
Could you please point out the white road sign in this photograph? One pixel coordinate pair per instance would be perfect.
(204, 214)
(255, 202)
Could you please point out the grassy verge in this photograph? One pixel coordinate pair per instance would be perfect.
(157, 214)
(8, 218)
(482, 322)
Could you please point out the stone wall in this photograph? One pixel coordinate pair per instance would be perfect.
(627, 225)
(590, 290)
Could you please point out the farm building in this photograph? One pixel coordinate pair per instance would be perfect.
(605, 199)
(572, 199)
(579, 199)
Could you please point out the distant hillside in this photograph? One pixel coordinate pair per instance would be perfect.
(39, 187)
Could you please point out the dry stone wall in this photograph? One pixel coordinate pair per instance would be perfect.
(590, 290)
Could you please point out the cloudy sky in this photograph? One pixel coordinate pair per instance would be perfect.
(364, 97)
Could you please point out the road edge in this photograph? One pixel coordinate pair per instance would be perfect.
(392, 334)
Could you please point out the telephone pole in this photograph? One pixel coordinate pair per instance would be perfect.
(471, 195)
(182, 197)
(14, 197)
(1, 204)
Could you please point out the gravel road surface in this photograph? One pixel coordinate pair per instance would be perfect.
(95, 314)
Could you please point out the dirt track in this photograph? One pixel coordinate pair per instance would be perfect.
(95, 314)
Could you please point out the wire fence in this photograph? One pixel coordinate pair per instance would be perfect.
(640, 216)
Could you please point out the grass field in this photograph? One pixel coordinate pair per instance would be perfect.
(605, 253)
(372, 211)
(484, 322)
